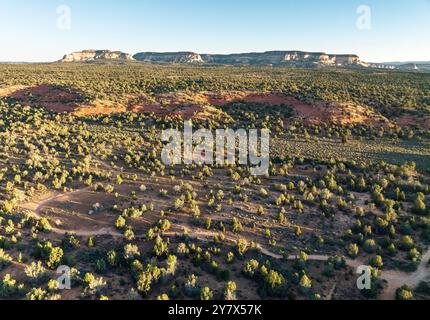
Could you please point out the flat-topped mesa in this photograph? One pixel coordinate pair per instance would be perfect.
(321, 57)
(286, 58)
(93, 55)
(169, 57)
(273, 58)
(350, 59)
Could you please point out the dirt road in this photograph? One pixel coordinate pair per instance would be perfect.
(36, 207)
(394, 278)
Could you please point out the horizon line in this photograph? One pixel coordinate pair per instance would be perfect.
(407, 60)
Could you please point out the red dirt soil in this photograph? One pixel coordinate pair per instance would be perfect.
(143, 104)
(62, 99)
(58, 99)
(320, 111)
(192, 106)
(409, 120)
(172, 105)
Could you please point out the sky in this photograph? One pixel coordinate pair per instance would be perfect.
(376, 30)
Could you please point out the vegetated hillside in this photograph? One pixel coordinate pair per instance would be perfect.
(89, 190)
(392, 94)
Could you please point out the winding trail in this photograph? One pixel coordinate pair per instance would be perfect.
(58, 196)
(394, 278)
(35, 208)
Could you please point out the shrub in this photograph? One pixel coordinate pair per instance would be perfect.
(241, 246)
(206, 294)
(353, 250)
(5, 259)
(35, 271)
(93, 285)
(9, 287)
(404, 293)
(250, 268)
(406, 243)
(40, 294)
(230, 291)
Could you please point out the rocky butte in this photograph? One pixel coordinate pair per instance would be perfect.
(93, 55)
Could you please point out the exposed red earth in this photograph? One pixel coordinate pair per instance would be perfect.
(54, 98)
(320, 111)
(63, 99)
(408, 120)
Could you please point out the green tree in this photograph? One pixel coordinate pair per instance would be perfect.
(404, 293)
(206, 294)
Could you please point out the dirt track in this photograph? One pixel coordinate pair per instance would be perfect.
(394, 278)
(35, 208)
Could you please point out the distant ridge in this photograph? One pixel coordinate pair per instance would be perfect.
(276, 58)
(411, 65)
(269, 58)
(170, 57)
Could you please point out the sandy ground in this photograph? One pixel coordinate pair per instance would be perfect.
(394, 278)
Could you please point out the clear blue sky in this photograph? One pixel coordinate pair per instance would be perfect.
(400, 28)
